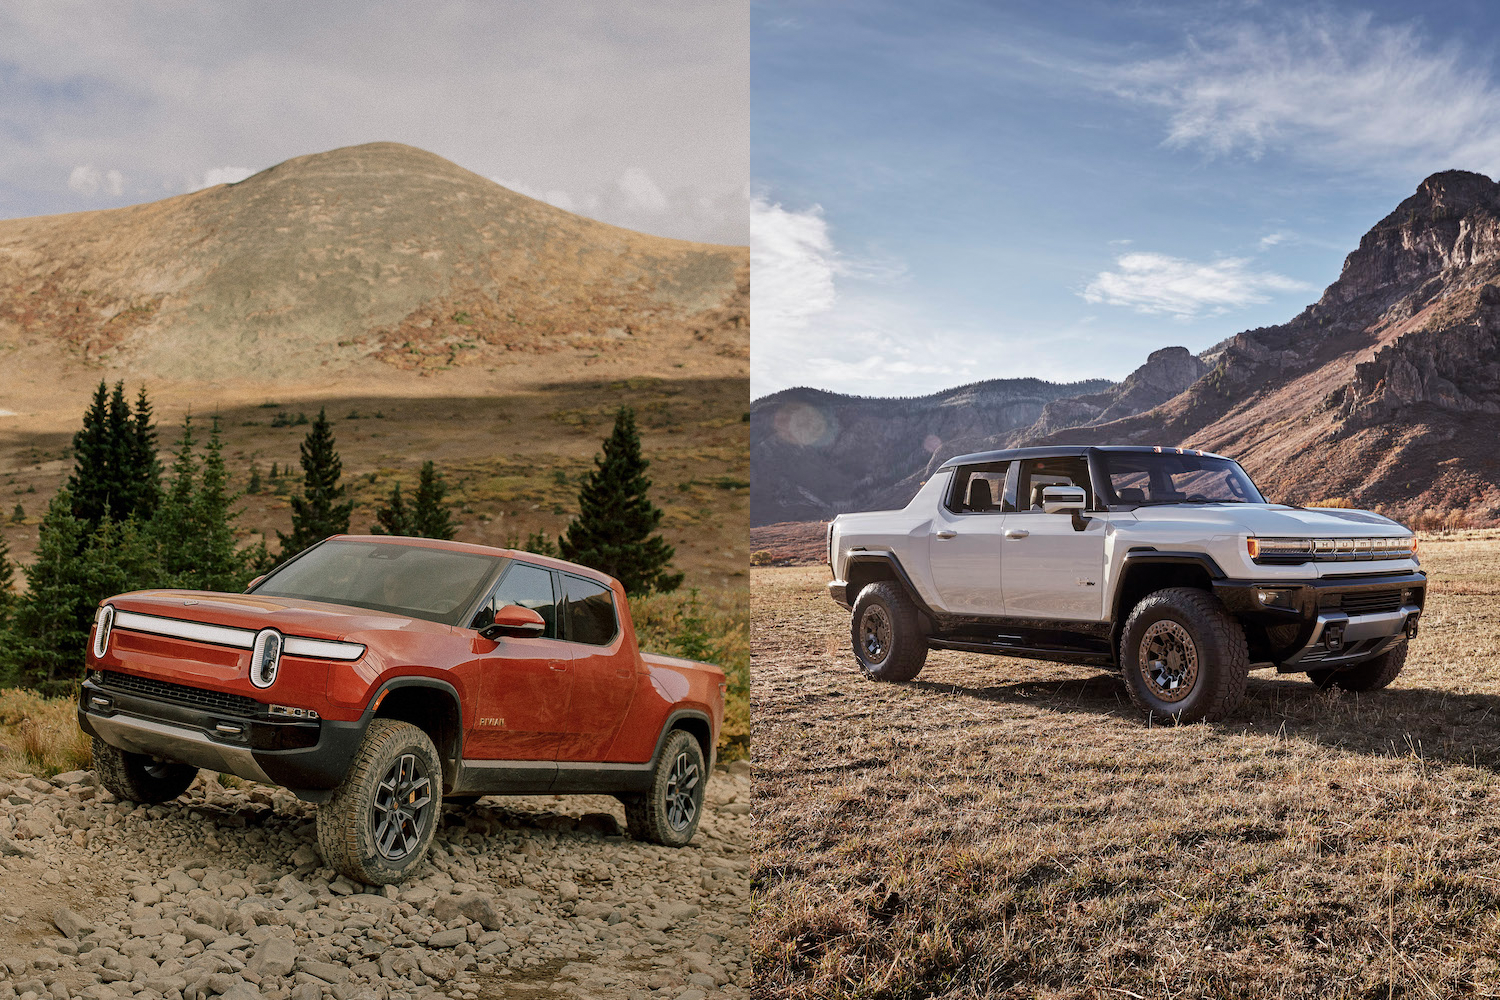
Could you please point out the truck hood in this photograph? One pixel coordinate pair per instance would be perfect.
(1278, 520)
(288, 615)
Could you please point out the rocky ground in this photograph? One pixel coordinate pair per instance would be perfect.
(223, 893)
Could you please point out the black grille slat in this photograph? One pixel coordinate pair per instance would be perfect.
(181, 694)
(1371, 602)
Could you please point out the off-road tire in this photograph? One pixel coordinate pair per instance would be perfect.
(139, 778)
(902, 651)
(347, 821)
(651, 816)
(1221, 656)
(1371, 675)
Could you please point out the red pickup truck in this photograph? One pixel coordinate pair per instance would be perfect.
(379, 676)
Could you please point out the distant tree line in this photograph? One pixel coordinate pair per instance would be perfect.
(123, 523)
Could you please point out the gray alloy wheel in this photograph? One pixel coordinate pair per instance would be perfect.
(402, 806)
(670, 812)
(380, 820)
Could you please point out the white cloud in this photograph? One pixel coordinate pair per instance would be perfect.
(224, 175)
(792, 266)
(88, 181)
(1154, 283)
(641, 192)
(1273, 239)
(1328, 87)
(556, 197)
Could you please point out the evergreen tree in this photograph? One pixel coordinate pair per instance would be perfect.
(74, 570)
(613, 529)
(217, 564)
(114, 459)
(174, 527)
(393, 518)
(7, 581)
(255, 485)
(430, 516)
(317, 513)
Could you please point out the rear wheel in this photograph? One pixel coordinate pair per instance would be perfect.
(886, 629)
(670, 812)
(382, 817)
(1371, 675)
(140, 778)
(1184, 656)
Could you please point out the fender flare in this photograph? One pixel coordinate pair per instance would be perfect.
(1154, 557)
(667, 727)
(418, 680)
(888, 558)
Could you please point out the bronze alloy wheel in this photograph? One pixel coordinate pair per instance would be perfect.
(875, 633)
(403, 798)
(1169, 660)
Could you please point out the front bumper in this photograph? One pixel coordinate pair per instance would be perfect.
(1327, 621)
(242, 739)
(839, 591)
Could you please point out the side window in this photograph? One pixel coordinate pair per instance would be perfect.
(591, 612)
(978, 489)
(530, 587)
(1038, 473)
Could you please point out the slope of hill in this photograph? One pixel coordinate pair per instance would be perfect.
(339, 261)
(814, 453)
(1386, 390)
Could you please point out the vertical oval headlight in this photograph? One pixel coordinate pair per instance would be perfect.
(104, 622)
(265, 657)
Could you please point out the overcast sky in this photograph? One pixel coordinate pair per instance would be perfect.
(635, 114)
(962, 190)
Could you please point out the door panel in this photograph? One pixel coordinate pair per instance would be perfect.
(526, 684)
(605, 669)
(1049, 570)
(964, 551)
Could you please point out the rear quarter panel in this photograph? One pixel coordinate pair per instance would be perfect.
(666, 685)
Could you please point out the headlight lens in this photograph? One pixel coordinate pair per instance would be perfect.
(265, 657)
(1300, 550)
(104, 623)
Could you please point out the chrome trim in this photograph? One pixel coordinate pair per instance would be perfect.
(188, 746)
(238, 638)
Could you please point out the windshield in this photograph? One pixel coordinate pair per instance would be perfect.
(1137, 478)
(438, 585)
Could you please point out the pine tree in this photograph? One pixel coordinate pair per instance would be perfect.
(255, 485)
(393, 518)
(174, 528)
(217, 563)
(316, 514)
(613, 529)
(7, 581)
(430, 516)
(114, 459)
(142, 472)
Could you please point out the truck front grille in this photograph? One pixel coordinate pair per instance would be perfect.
(181, 694)
(1371, 602)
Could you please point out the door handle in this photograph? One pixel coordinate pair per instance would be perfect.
(945, 533)
(557, 664)
(1016, 532)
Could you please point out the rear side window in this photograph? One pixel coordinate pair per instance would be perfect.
(1038, 473)
(530, 587)
(591, 612)
(979, 489)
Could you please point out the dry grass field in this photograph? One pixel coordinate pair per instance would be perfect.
(1013, 828)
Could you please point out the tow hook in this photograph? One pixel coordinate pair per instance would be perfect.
(1333, 637)
(1411, 625)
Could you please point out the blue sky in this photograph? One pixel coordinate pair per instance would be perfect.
(951, 191)
(633, 114)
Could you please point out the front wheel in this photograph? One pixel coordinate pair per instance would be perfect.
(139, 778)
(382, 817)
(1371, 675)
(669, 813)
(1184, 656)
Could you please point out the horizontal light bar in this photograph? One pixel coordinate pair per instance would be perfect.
(1291, 550)
(239, 638)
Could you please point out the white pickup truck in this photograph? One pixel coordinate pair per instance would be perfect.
(1165, 563)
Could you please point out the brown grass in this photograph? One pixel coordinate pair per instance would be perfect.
(716, 629)
(41, 735)
(1003, 827)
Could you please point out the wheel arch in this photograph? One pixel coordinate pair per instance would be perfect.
(864, 568)
(433, 706)
(697, 724)
(1145, 571)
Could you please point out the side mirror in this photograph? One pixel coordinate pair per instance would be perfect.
(1062, 499)
(1066, 500)
(516, 622)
